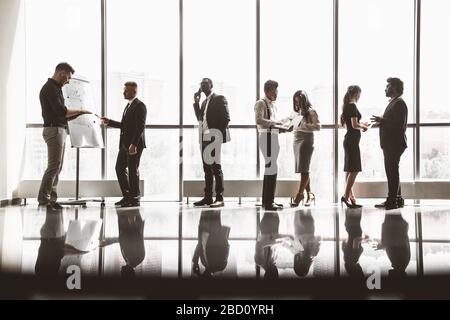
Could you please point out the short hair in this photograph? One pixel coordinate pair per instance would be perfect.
(270, 85)
(397, 84)
(131, 84)
(64, 66)
(209, 80)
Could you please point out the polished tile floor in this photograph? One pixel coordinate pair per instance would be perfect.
(238, 241)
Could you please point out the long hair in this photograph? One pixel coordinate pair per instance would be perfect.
(305, 104)
(351, 92)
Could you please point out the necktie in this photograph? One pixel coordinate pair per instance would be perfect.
(205, 123)
(126, 109)
(269, 113)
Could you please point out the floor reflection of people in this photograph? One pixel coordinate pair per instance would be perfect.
(131, 239)
(267, 244)
(351, 247)
(56, 243)
(52, 248)
(212, 249)
(395, 241)
(306, 245)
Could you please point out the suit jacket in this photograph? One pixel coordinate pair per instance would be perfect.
(395, 240)
(393, 125)
(132, 125)
(217, 115)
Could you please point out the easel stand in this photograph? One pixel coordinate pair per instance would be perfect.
(77, 201)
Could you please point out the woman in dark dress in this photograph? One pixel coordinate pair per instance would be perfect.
(350, 118)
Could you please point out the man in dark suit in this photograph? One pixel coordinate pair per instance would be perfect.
(131, 145)
(213, 117)
(393, 140)
(212, 248)
(395, 240)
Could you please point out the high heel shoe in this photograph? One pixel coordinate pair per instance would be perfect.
(298, 198)
(353, 201)
(311, 198)
(348, 204)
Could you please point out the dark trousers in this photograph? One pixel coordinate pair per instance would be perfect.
(270, 148)
(127, 170)
(391, 165)
(212, 170)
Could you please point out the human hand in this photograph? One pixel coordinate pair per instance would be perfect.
(195, 269)
(104, 120)
(376, 119)
(197, 96)
(132, 150)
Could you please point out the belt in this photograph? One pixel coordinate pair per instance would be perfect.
(55, 126)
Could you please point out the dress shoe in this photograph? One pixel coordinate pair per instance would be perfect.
(400, 203)
(278, 205)
(391, 205)
(381, 205)
(218, 203)
(205, 202)
(272, 207)
(121, 202)
(131, 203)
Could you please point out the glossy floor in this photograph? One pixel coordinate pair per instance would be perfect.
(171, 239)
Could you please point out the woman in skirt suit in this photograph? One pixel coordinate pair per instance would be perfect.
(305, 121)
(350, 118)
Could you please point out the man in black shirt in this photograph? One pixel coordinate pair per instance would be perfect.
(393, 141)
(55, 115)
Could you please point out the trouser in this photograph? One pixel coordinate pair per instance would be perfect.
(211, 158)
(55, 138)
(270, 148)
(391, 165)
(127, 171)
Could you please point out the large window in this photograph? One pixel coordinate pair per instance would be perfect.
(219, 43)
(293, 42)
(143, 40)
(238, 155)
(372, 159)
(159, 162)
(435, 153)
(297, 51)
(435, 65)
(321, 169)
(36, 159)
(376, 41)
(56, 31)
(143, 46)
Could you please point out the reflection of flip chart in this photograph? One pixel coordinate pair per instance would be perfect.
(83, 235)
